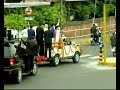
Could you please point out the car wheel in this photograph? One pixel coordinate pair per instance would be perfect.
(76, 57)
(18, 76)
(34, 70)
(55, 61)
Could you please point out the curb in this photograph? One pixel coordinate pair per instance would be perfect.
(109, 61)
(87, 41)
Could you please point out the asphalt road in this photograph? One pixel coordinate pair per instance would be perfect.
(86, 74)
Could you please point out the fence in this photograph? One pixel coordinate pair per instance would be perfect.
(85, 32)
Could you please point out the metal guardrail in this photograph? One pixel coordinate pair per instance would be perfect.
(75, 34)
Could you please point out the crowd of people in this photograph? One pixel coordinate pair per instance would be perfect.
(45, 35)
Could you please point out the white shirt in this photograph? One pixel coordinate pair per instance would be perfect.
(24, 33)
(14, 33)
(57, 36)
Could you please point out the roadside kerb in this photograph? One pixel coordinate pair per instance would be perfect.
(109, 61)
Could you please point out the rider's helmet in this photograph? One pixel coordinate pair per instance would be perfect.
(114, 32)
(96, 24)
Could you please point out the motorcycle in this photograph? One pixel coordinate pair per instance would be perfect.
(114, 51)
(95, 40)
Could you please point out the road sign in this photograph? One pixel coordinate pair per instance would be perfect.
(101, 45)
(28, 11)
(28, 18)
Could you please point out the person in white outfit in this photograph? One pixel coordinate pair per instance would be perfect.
(14, 33)
(57, 34)
(24, 33)
(46, 27)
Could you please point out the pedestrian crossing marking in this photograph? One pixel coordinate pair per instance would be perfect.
(95, 65)
(85, 55)
(94, 57)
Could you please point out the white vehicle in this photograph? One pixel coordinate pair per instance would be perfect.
(62, 50)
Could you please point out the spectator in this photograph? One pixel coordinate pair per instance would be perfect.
(24, 33)
(14, 33)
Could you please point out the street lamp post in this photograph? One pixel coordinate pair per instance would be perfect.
(115, 12)
(61, 4)
(94, 13)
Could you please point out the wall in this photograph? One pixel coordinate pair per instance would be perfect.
(86, 25)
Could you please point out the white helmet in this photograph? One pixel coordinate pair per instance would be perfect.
(96, 24)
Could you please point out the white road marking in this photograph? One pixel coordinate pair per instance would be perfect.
(95, 65)
(94, 57)
(85, 55)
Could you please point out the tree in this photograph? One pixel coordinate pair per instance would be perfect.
(15, 20)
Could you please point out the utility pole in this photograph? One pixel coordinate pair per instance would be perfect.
(61, 11)
(105, 37)
(69, 9)
(115, 13)
(94, 13)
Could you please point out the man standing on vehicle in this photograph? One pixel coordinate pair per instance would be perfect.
(57, 34)
(48, 42)
(53, 29)
(39, 38)
(31, 33)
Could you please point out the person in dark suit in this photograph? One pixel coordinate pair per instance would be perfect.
(31, 50)
(48, 41)
(31, 33)
(39, 38)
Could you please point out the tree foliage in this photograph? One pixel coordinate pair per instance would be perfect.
(14, 20)
(49, 14)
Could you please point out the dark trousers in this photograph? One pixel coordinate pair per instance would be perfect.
(31, 52)
(28, 60)
(96, 37)
(48, 46)
(41, 48)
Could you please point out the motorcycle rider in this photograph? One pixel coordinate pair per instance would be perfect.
(94, 31)
(113, 39)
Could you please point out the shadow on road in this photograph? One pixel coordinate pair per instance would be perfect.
(7, 81)
(62, 63)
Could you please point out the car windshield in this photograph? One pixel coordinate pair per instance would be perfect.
(9, 50)
(6, 51)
